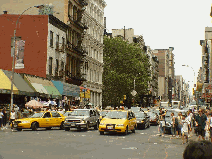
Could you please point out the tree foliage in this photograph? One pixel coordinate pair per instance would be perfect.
(123, 62)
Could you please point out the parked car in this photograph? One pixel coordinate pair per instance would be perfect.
(119, 121)
(142, 120)
(47, 119)
(82, 118)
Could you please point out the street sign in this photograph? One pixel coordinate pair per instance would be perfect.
(133, 93)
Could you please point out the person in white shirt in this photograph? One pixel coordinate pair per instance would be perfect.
(185, 128)
(12, 116)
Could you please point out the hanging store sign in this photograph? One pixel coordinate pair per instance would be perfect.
(19, 54)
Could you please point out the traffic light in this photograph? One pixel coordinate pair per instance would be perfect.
(125, 97)
(193, 91)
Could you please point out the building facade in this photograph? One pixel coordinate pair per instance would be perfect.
(93, 18)
(206, 74)
(163, 57)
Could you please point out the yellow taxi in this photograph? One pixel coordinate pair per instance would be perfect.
(47, 119)
(120, 121)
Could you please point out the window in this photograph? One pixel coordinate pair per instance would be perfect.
(47, 115)
(57, 67)
(51, 39)
(55, 114)
(63, 43)
(57, 42)
(50, 65)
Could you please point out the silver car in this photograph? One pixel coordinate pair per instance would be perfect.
(82, 118)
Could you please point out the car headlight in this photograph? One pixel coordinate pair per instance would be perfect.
(119, 124)
(102, 124)
(83, 121)
(26, 121)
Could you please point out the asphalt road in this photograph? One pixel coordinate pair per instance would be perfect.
(59, 144)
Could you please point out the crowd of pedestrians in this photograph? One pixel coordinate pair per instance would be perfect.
(185, 125)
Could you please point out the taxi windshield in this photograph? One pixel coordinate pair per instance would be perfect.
(116, 115)
(139, 115)
(37, 115)
(103, 113)
(80, 113)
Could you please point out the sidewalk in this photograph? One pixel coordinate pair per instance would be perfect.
(6, 128)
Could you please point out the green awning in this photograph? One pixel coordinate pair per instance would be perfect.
(53, 92)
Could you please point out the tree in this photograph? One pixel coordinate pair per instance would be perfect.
(122, 63)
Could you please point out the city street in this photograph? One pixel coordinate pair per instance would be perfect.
(75, 144)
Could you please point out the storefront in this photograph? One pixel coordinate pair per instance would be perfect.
(5, 89)
(45, 88)
(70, 93)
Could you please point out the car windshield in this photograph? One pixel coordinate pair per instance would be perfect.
(37, 115)
(67, 114)
(80, 113)
(152, 115)
(103, 113)
(135, 109)
(139, 115)
(116, 115)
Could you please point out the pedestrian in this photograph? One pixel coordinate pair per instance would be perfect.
(12, 117)
(179, 124)
(185, 128)
(201, 123)
(1, 118)
(191, 120)
(207, 127)
(198, 150)
(4, 117)
(210, 125)
(173, 128)
(162, 122)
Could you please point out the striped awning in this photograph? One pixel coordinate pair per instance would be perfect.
(44, 86)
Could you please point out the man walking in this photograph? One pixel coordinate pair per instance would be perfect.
(200, 123)
(162, 122)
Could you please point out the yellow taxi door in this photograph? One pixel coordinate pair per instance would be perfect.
(57, 119)
(47, 119)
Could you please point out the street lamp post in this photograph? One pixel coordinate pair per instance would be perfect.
(134, 92)
(13, 54)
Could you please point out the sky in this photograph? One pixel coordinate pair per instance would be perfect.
(163, 24)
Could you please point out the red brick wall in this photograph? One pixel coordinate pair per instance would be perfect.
(34, 30)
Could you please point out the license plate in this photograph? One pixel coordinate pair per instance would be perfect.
(73, 124)
(109, 127)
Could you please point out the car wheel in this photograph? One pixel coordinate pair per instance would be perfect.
(19, 129)
(67, 129)
(126, 131)
(62, 125)
(149, 125)
(101, 132)
(34, 126)
(87, 126)
(96, 127)
(49, 128)
(133, 130)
